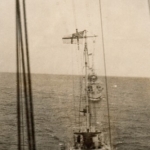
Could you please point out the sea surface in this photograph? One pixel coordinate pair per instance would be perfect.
(55, 99)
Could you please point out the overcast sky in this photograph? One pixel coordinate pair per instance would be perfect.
(126, 36)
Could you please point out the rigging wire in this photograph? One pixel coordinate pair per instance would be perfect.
(80, 101)
(20, 41)
(18, 86)
(73, 63)
(81, 78)
(93, 53)
(21, 103)
(81, 92)
(104, 57)
(24, 73)
(80, 98)
(80, 82)
(23, 59)
(73, 82)
(29, 76)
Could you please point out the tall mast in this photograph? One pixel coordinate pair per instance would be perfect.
(86, 85)
(73, 37)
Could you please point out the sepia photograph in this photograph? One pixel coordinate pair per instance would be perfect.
(75, 75)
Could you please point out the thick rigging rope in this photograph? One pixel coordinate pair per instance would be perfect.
(18, 86)
(29, 76)
(24, 73)
(21, 103)
(104, 57)
(26, 81)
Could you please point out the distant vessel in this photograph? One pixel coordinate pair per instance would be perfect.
(87, 136)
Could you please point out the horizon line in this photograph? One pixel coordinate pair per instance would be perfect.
(119, 76)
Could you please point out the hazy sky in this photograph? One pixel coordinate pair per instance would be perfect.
(126, 35)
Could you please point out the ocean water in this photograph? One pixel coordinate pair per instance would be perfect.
(55, 99)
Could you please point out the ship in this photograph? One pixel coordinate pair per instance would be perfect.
(86, 136)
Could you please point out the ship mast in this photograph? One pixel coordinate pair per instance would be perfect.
(73, 39)
(86, 85)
